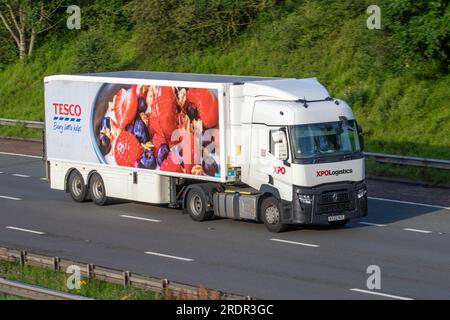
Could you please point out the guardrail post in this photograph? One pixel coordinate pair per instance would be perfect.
(90, 270)
(165, 284)
(23, 257)
(126, 278)
(56, 264)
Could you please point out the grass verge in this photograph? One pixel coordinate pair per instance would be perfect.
(432, 176)
(91, 288)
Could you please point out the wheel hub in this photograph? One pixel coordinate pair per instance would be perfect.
(196, 205)
(272, 215)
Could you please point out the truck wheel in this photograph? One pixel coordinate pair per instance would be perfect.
(271, 215)
(97, 190)
(76, 186)
(341, 223)
(196, 205)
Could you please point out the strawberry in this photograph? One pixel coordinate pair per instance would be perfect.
(163, 116)
(169, 165)
(206, 104)
(125, 106)
(127, 149)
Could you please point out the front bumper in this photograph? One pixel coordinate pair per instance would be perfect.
(328, 200)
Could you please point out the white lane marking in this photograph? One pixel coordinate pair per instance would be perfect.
(372, 224)
(296, 243)
(413, 203)
(19, 155)
(21, 175)
(26, 230)
(10, 198)
(43, 179)
(169, 256)
(417, 230)
(139, 218)
(381, 294)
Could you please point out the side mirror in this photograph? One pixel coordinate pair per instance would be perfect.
(361, 137)
(280, 145)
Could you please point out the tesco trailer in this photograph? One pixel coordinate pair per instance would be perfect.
(278, 151)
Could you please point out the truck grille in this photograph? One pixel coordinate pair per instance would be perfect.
(334, 197)
(332, 202)
(336, 207)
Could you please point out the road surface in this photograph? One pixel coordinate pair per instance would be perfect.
(407, 234)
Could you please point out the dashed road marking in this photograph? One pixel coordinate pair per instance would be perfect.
(21, 175)
(381, 294)
(169, 256)
(372, 224)
(140, 218)
(296, 243)
(10, 198)
(418, 230)
(26, 230)
(412, 203)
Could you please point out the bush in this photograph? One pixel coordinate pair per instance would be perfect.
(95, 51)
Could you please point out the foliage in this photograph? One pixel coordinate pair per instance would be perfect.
(396, 79)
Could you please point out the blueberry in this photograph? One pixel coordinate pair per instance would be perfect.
(210, 166)
(191, 112)
(148, 160)
(163, 153)
(105, 144)
(142, 104)
(140, 131)
(106, 123)
(130, 128)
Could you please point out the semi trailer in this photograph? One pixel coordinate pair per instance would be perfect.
(280, 151)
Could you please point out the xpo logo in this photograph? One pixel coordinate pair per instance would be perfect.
(327, 173)
(279, 170)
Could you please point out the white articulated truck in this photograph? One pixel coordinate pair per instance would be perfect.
(272, 150)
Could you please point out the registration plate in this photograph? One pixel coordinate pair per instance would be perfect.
(336, 218)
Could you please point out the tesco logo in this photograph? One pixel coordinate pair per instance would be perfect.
(65, 109)
(327, 173)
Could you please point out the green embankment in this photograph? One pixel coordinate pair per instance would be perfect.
(396, 79)
(57, 281)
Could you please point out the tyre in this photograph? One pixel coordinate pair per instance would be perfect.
(341, 223)
(197, 205)
(271, 215)
(76, 186)
(97, 190)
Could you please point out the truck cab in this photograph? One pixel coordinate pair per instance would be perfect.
(303, 150)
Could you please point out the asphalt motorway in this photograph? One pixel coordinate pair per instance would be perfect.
(409, 239)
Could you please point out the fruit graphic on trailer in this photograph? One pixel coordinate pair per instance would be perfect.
(127, 149)
(163, 115)
(125, 106)
(206, 105)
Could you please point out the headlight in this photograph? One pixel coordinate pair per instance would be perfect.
(362, 193)
(305, 198)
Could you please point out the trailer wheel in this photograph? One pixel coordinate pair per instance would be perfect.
(271, 215)
(97, 190)
(341, 223)
(196, 205)
(76, 186)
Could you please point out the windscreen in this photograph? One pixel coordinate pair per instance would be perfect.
(325, 139)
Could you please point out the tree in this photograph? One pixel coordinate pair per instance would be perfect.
(25, 20)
